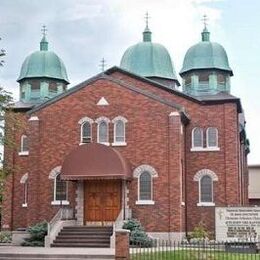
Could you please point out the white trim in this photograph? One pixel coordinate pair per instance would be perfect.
(102, 118)
(206, 149)
(144, 202)
(192, 138)
(54, 190)
(54, 172)
(206, 204)
(144, 168)
(24, 205)
(174, 114)
(33, 118)
(207, 138)
(119, 144)
(59, 202)
(85, 119)
(102, 102)
(119, 118)
(204, 172)
(23, 153)
(99, 121)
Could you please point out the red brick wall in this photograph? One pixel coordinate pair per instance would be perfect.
(152, 138)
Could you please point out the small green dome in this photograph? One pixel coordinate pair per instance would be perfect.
(206, 55)
(148, 59)
(43, 63)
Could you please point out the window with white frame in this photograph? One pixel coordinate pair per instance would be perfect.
(103, 130)
(212, 137)
(145, 175)
(24, 182)
(86, 133)
(85, 130)
(119, 130)
(24, 150)
(197, 137)
(206, 189)
(205, 179)
(60, 188)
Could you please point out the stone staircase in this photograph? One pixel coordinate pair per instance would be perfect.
(84, 236)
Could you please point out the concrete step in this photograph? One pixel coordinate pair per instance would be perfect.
(82, 232)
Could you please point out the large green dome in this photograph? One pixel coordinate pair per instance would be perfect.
(148, 59)
(206, 55)
(43, 63)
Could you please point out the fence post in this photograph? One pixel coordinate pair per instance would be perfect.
(122, 244)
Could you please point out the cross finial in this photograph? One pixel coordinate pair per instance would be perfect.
(205, 20)
(102, 64)
(44, 30)
(147, 17)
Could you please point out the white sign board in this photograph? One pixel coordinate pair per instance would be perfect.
(237, 223)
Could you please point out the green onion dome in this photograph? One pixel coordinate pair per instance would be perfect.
(43, 64)
(206, 55)
(149, 59)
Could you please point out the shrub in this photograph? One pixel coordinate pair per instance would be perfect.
(199, 233)
(5, 237)
(37, 235)
(137, 234)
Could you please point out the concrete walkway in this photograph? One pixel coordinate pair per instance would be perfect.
(72, 253)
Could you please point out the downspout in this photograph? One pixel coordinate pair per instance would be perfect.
(185, 184)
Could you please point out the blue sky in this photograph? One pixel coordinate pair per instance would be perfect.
(82, 32)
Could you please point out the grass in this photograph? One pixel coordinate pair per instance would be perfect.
(193, 255)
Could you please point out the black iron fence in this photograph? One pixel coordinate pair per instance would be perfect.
(199, 250)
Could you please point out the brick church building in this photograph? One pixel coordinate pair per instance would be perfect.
(128, 142)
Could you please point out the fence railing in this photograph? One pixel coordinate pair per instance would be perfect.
(200, 250)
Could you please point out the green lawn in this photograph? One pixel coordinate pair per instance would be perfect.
(193, 255)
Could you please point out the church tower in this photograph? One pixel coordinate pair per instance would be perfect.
(205, 69)
(43, 75)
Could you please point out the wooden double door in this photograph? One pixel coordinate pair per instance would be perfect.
(102, 200)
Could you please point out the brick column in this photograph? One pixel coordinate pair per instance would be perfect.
(122, 245)
(34, 158)
(175, 173)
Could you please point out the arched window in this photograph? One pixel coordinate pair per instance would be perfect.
(103, 130)
(206, 189)
(60, 188)
(212, 137)
(24, 182)
(197, 138)
(145, 186)
(119, 130)
(85, 130)
(86, 133)
(205, 179)
(145, 175)
(24, 145)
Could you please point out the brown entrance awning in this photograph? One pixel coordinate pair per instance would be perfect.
(95, 161)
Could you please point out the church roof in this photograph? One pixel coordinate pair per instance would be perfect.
(105, 75)
(206, 55)
(43, 64)
(149, 59)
